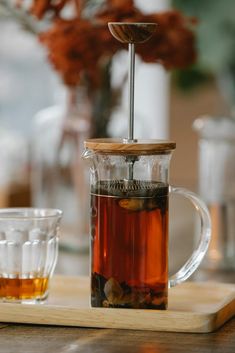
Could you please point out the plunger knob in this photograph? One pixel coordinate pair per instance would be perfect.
(132, 32)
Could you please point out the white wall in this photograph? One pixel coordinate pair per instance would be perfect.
(152, 88)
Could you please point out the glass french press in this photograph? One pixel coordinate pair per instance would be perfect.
(129, 210)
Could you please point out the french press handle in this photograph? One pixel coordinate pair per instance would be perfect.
(195, 259)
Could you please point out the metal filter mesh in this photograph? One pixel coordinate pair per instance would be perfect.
(130, 188)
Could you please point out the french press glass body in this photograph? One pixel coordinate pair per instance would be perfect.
(129, 223)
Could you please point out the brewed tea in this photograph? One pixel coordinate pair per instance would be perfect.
(129, 231)
(23, 288)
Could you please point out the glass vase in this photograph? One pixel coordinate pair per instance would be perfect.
(217, 187)
(59, 175)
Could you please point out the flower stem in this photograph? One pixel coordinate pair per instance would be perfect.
(26, 21)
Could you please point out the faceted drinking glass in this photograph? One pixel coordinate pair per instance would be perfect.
(28, 253)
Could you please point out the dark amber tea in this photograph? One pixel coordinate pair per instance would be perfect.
(23, 288)
(129, 230)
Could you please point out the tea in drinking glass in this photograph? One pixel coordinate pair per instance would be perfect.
(28, 253)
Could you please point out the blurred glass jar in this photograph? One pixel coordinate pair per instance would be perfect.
(14, 171)
(217, 186)
(59, 176)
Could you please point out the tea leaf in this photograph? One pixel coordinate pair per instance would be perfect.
(132, 204)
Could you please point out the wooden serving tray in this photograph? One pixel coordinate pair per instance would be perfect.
(193, 307)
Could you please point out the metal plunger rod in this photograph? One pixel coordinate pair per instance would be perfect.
(131, 48)
(130, 175)
(131, 33)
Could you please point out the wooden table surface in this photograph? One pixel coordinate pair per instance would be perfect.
(47, 339)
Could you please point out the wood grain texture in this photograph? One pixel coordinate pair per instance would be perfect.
(132, 32)
(193, 307)
(116, 146)
(44, 339)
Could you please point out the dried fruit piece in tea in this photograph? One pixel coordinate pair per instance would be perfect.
(120, 295)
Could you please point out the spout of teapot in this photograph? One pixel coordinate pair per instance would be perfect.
(87, 154)
(89, 157)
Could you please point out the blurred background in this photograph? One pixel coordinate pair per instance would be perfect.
(60, 84)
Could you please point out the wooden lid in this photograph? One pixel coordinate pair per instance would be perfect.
(118, 146)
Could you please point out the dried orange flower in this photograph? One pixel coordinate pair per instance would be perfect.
(173, 43)
(119, 11)
(40, 7)
(77, 47)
